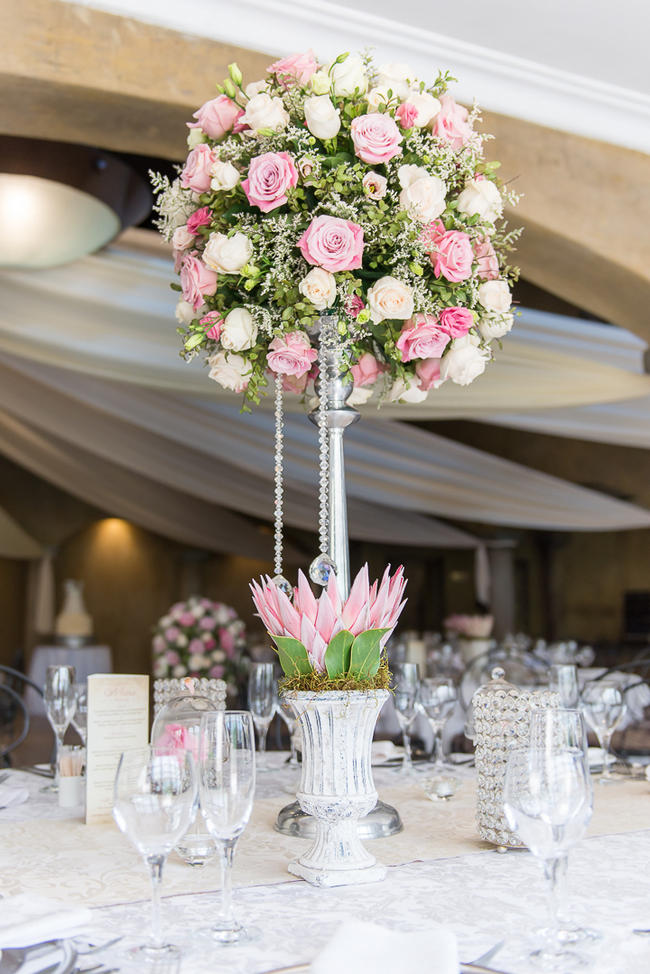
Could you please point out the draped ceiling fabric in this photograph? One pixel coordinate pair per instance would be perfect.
(14, 540)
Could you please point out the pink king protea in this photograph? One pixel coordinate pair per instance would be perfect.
(315, 621)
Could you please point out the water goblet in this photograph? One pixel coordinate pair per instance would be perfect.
(548, 800)
(285, 709)
(437, 698)
(563, 678)
(407, 681)
(60, 702)
(80, 718)
(261, 703)
(603, 705)
(154, 799)
(226, 788)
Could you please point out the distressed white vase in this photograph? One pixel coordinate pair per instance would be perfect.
(336, 787)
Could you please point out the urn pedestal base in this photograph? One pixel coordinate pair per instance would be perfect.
(326, 878)
(337, 856)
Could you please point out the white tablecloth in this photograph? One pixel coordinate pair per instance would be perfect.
(85, 659)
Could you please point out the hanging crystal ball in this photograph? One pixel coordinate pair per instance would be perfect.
(321, 569)
(281, 582)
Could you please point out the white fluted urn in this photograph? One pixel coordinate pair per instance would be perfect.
(337, 787)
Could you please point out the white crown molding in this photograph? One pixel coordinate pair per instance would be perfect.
(500, 82)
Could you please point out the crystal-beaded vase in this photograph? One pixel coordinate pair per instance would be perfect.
(337, 787)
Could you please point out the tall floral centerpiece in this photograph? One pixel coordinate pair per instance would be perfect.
(336, 225)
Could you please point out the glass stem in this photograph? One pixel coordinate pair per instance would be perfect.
(552, 872)
(156, 864)
(407, 763)
(561, 887)
(58, 738)
(227, 852)
(605, 743)
(263, 731)
(437, 755)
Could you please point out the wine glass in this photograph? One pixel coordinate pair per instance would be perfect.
(60, 702)
(407, 681)
(604, 706)
(563, 678)
(548, 800)
(154, 803)
(80, 718)
(261, 703)
(227, 787)
(437, 697)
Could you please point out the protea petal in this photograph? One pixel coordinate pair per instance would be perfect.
(304, 600)
(327, 618)
(313, 643)
(290, 618)
(357, 599)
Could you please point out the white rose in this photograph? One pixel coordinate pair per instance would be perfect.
(182, 238)
(224, 176)
(401, 392)
(359, 396)
(222, 616)
(320, 82)
(464, 361)
(377, 96)
(424, 199)
(409, 174)
(265, 112)
(195, 137)
(230, 370)
(160, 667)
(323, 119)
(181, 641)
(427, 108)
(398, 77)
(218, 655)
(390, 298)
(495, 296)
(227, 254)
(197, 611)
(319, 287)
(238, 331)
(165, 622)
(255, 88)
(179, 671)
(481, 196)
(349, 76)
(185, 314)
(495, 325)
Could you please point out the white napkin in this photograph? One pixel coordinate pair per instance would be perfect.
(12, 796)
(26, 919)
(358, 946)
(595, 757)
(384, 751)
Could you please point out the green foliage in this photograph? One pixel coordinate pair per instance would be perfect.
(337, 654)
(366, 654)
(293, 656)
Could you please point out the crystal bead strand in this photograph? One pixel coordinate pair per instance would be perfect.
(278, 503)
(322, 566)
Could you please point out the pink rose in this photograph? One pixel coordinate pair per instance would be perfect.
(269, 178)
(196, 173)
(186, 619)
(207, 622)
(432, 233)
(488, 264)
(366, 371)
(291, 354)
(453, 256)
(407, 114)
(332, 243)
(428, 373)
(197, 280)
(172, 657)
(227, 641)
(216, 117)
(216, 672)
(422, 337)
(295, 69)
(456, 322)
(213, 323)
(172, 634)
(353, 305)
(200, 218)
(209, 643)
(451, 123)
(295, 384)
(376, 137)
(196, 646)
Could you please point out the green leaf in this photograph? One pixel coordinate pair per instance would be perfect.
(293, 656)
(365, 654)
(337, 654)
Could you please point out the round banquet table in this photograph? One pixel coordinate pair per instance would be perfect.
(85, 659)
(440, 872)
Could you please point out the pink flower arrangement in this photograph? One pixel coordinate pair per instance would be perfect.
(422, 337)
(295, 69)
(197, 280)
(314, 622)
(453, 256)
(200, 218)
(376, 137)
(471, 627)
(332, 243)
(196, 174)
(451, 123)
(456, 322)
(292, 354)
(216, 117)
(366, 371)
(269, 177)
(488, 263)
(213, 323)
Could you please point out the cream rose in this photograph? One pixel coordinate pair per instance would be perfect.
(481, 196)
(224, 176)
(427, 108)
(229, 370)
(464, 361)
(255, 88)
(359, 397)
(238, 331)
(401, 392)
(495, 325)
(185, 313)
(408, 175)
(195, 137)
(319, 287)
(265, 112)
(349, 76)
(377, 96)
(424, 199)
(227, 254)
(322, 118)
(390, 298)
(182, 238)
(396, 76)
(495, 296)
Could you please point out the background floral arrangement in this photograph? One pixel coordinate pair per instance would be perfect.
(471, 627)
(200, 638)
(348, 188)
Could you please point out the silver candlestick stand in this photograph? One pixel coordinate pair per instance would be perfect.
(383, 820)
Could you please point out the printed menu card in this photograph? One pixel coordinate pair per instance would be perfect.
(118, 720)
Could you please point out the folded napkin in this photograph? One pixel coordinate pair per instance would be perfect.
(385, 751)
(358, 946)
(595, 757)
(27, 919)
(12, 796)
